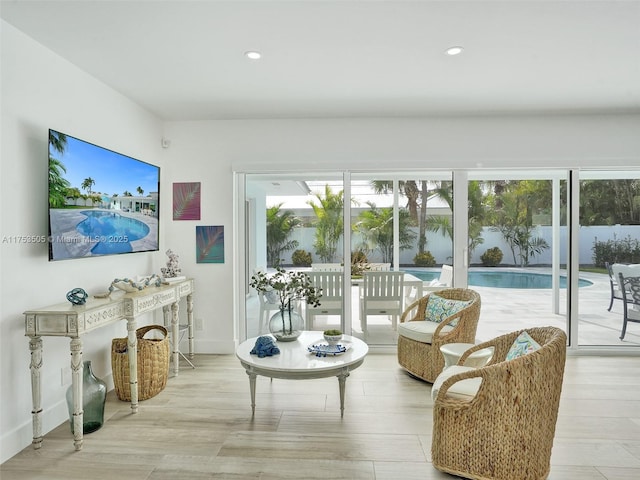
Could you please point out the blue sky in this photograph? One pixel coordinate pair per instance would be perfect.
(112, 172)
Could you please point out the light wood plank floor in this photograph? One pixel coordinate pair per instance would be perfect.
(200, 427)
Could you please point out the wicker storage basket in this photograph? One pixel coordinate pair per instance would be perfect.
(153, 364)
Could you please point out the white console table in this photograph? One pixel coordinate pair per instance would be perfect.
(67, 320)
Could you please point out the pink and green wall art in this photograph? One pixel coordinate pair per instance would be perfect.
(210, 244)
(186, 201)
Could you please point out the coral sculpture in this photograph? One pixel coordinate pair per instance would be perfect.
(173, 266)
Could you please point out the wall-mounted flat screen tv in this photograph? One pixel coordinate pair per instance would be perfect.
(100, 202)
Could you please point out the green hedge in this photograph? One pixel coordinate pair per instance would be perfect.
(626, 250)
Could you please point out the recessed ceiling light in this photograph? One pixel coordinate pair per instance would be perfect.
(253, 55)
(454, 50)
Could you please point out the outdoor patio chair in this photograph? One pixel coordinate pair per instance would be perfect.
(419, 339)
(381, 294)
(267, 305)
(326, 267)
(630, 287)
(505, 429)
(443, 281)
(378, 267)
(332, 296)
(616, 294)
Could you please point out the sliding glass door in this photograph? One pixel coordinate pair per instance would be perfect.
(517, 249)
(293, 222)
(534, 244)
(609, 233)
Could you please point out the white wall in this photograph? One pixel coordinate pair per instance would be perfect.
(605, 141)
(193, 156)
(42, 91)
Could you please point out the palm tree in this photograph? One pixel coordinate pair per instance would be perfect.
(140, 191)
(476, 199)
(87, 183)
(514, 217)
(58, 141)
(126, 193)
(280, 225)
(58, 185)
(417, 194)
(376, 227)
(328, 223)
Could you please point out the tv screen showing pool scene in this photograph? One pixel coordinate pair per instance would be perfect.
(100, 202)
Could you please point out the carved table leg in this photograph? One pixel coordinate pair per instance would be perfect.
(190, 322)
(35, 345)
(165, 316)
(132, 344)
(342, 382)
(76, 385)
(176, 338)
(252, 389)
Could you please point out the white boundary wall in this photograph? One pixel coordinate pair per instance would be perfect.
(440, 247)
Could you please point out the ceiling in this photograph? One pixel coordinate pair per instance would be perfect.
(184, 60)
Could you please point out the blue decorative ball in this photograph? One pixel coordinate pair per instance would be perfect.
(77, 296)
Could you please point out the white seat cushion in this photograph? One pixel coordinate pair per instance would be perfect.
(420, 330)
(326, 306)
(382, 305)
(462, 390)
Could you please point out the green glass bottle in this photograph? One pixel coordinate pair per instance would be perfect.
(94, 395)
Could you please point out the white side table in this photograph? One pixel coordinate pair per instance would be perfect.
(453, 351)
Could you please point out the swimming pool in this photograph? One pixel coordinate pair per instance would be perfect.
(503, 279)
(112, 232)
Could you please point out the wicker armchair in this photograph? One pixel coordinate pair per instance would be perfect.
(506, 431)
(423, 359)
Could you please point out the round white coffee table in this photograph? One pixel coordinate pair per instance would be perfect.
(453, 351)
(295, 362)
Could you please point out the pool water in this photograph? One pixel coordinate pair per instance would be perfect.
(112, 232)
(501, 279)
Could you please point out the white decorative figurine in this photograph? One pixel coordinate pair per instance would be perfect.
(173, 267)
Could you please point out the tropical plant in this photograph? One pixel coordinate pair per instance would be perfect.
(359, 263)
(74, 193)
(140, 191)
(514, 211)
(417, 195)
(437, 223)
(328, 223)
(610, 202)
(491, 257)
(87, 184)
(376, 227)
(625, 250)
(301, 258)
(359, 256)
(58, 185)
(280, 225)
(424, 259)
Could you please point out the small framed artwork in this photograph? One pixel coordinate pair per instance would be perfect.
(210, 244)
(186, 201)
